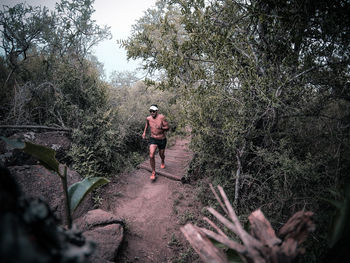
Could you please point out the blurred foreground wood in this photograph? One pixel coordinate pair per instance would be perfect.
(260, 245)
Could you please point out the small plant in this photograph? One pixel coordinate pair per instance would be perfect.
(176, 202)
(185, 256)
(181, 196)
(187, 216)
(174, 242)
(175, 210)
(97, 201)
(74, 194)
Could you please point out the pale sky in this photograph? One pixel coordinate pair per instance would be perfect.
(120, 15)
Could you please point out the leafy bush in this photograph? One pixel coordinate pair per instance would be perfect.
(264, 93)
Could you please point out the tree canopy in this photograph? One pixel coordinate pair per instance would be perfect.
(265, 85)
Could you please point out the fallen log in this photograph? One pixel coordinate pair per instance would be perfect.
(162, 173)
(35, 127)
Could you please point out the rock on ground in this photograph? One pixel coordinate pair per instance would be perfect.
(106, 230)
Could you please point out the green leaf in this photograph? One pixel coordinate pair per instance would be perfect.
(45, 155)
(16, 144)
(341, 223)
(77, 191)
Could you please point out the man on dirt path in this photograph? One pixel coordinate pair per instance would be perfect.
(158, 126)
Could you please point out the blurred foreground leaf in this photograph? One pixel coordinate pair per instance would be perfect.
(16, 144)
(341, 224)
(79, 190)
(45, 155)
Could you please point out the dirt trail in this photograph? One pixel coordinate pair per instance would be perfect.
(155, 211)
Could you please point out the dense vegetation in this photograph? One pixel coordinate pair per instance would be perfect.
(263, 85)
(265, 89)
(49, 77)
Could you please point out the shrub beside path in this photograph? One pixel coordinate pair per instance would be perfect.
(155, 211)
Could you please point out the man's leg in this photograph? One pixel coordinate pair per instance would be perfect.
(162, 157)
(152, 160)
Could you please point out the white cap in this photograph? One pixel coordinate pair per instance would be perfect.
(153, 108)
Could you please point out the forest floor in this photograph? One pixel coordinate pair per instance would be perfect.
(154, 211)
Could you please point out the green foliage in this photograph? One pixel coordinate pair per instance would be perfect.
(84, 162)
(75, 30)
(263, 88)
(77, 191)
(50, 78)
(174, 242)
(110, 140)
(184, 256)
(14, 143)
(45, 155)
(133, 102)
(104, 145)
(22, 28)
(186, 216)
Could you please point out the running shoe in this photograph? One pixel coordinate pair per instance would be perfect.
(153, 176)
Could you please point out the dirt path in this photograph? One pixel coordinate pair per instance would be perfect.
(155, 211)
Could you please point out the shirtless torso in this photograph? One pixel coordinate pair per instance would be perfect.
(158, 126)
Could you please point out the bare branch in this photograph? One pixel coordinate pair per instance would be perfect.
(261, 247)
(218, 199)
(202, 245)
(213, 225)
(224, 240)
(246, 238)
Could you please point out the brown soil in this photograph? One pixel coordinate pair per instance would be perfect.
(155, 211)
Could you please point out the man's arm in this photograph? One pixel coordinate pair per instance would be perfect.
(165, 125)
(145, 130)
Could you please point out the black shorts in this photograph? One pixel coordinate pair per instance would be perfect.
(160, 143)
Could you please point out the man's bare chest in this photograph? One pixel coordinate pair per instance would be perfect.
(155, 123)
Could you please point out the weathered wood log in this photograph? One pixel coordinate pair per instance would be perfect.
(202, 245)
(262, 230)
(162, 173)
(35, 127)
(261, 245)
(295, 232)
